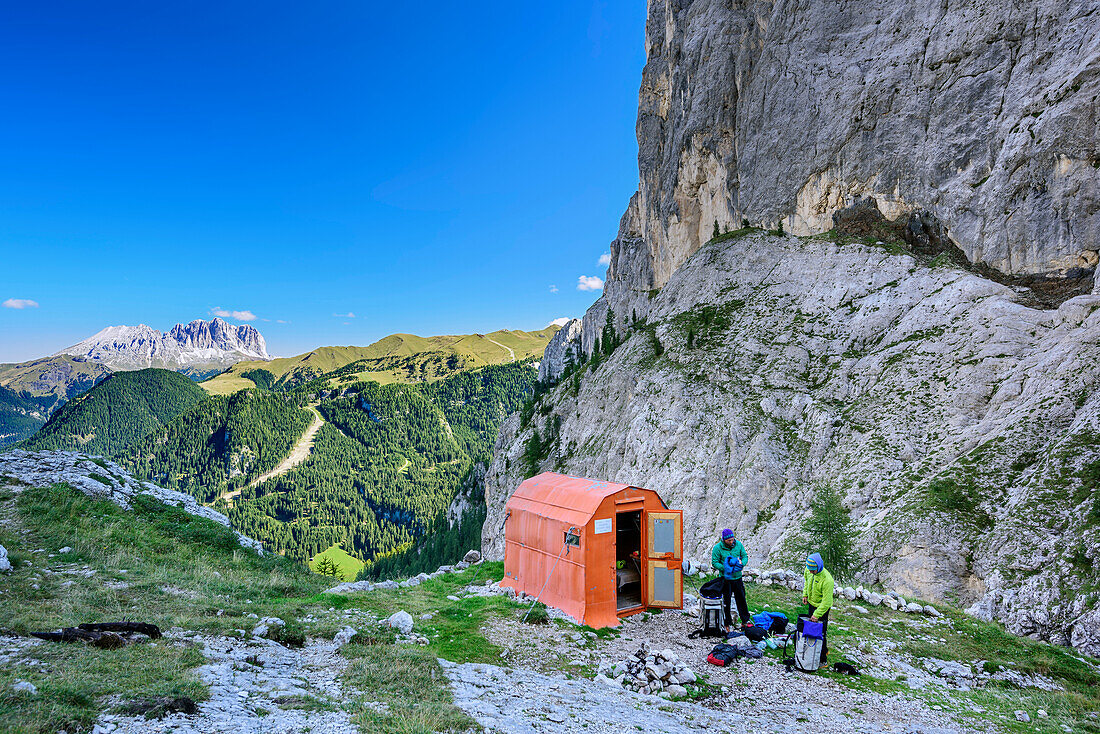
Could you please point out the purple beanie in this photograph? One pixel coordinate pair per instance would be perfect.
(727, 533)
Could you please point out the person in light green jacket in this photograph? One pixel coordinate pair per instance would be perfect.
(817, 595)
(728, 558)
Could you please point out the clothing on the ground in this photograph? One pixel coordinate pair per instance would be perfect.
(720, 553)
(818, 589)
(736, 589)
(824, 619)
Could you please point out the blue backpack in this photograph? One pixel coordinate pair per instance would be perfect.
(775, 622)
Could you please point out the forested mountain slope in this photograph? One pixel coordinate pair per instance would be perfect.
(385, 465)
(118, 411)
(21, 414)
(220, 442)
(31, 391)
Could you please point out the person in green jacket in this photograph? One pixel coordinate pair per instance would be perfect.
(817, 595)
(729, 558)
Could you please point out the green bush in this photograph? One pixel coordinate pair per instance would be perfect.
(291, 634)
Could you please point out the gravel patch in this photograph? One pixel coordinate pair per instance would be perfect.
(249, 682)
(759, 694)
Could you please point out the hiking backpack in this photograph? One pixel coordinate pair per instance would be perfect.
(809, 638)
(710, 611)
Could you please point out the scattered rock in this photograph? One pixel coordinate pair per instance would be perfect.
(472, 557)
(158, 707)
(5, 564)
(263, 629)
(353, 587)
(22, 686)
(344, 636)
(1022, 716)
(401, 621)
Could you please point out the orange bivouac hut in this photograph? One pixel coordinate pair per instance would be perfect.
(601, 550)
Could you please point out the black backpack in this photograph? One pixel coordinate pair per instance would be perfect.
(756, 633)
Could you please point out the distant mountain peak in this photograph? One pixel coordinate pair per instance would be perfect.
(198, 343)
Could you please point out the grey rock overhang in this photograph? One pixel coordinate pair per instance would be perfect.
(984, 114)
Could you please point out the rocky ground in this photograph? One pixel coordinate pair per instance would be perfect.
(759, 695)
(256, 686)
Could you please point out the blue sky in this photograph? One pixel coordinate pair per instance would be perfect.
(430, 167)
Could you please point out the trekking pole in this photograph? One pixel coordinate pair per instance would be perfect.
(572, 530)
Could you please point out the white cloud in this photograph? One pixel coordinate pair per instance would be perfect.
(235, 315)
(589, 283)
(605, 259)
(20, 303)
(560, 322)
(553, 289)
(348, 315)
(280, 321)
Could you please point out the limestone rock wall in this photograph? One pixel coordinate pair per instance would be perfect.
(962, 427)
(983, 113)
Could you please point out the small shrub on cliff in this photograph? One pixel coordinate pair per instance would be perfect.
(532, 453)
(658, 348)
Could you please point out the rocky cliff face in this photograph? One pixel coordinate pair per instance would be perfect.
(961, 426)
(983, 114)
(563, 349)
(199, 344)
(956, 414)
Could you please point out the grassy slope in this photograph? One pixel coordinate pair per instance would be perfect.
(160, 548)
(148, 549)
(349, 566)
(189, 572)
(117, 412)
(477, 350)
(62, 376)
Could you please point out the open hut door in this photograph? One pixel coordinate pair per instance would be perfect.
(664, 555)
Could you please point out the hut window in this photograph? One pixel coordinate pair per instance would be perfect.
(664, 585)
(572, 538)
(664, 535)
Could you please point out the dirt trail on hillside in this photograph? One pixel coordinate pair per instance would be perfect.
(510, 350)
(297, 455)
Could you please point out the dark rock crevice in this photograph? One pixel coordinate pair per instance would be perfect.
(926, 238)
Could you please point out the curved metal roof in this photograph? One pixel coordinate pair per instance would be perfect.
(573, 499)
